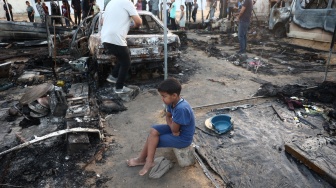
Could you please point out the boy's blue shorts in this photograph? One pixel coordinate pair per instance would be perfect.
(167, 139)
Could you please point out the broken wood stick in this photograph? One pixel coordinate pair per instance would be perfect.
(104, 148)
(53, 134)
(278, 114)
(8, 46)
(205, 170)
(20, 137)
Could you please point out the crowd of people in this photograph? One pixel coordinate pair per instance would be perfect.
(188, 11)
(81, 9)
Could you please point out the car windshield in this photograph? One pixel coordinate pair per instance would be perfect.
(149, 26)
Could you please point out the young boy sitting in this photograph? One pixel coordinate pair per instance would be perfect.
(177, 133)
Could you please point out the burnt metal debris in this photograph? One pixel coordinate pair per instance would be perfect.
(21, 31)
(36, 92)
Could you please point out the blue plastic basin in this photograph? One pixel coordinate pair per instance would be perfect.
(221, 123)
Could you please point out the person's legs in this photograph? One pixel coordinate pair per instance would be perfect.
(79, 17)
(187, 9)
(212, 12)
(124, 62)
(147, 153)
(42, 18)
(242, 36)
(76, 17)
(173, 23)
(230, 12)
(155, 12)
(67, 22)
(162, 129)
(7, 16)
(168, 18)
(29, 17)
(190, 7)
(194, 16)
(152, 142)
(124, 59)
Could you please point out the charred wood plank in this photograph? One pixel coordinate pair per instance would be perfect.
(304, 158)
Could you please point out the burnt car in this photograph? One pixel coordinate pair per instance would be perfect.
(306, 19)
(146, 43)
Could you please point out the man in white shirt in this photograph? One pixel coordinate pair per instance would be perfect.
(116, 24)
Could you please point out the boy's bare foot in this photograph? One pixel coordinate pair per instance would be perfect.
(146, 168)
(135, 162)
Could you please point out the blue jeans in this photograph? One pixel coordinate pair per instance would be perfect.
(242, 35)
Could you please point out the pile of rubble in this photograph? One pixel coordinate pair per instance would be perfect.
(64, 115)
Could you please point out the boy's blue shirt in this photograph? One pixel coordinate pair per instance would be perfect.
(183, 115)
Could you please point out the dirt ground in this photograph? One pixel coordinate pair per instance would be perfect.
(205, 80)
(129, 128)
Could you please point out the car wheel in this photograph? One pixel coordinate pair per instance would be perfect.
(280, 31)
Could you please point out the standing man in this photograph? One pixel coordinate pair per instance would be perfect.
(244, 19)
(116, 24)
(76, 5)
(30, 11)
(155, 7)
(8, 10)
(40, 10)
(188, 4)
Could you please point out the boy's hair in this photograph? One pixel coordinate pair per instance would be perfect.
(170, 86)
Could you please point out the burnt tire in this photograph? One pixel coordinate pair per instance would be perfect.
(280, 31)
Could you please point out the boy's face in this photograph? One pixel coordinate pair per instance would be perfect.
(167, 98)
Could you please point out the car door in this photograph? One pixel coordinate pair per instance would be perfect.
(330, 21)
(310, 14)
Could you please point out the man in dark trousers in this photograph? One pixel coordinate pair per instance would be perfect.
(244, 19)
(116, 24)
(76, 5)
(86, 5)
(144, 4)
(8, 10)
(188, 4)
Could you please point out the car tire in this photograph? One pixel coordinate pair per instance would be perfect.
(280, 31)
